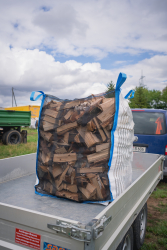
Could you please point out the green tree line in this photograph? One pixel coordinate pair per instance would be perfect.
(145, 98)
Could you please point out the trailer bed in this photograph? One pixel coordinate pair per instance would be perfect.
(20, 192)
(66, 223)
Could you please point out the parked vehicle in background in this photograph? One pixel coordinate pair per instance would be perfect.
(33, 108)
(151, 130)
(10, 126)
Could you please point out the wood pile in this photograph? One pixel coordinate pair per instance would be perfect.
(74, 148)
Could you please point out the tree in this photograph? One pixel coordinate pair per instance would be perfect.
(110, 89)
(154, 98)
(140, 98)
(164, 98)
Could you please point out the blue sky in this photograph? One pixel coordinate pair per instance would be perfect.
(74, 48)
(111, 61)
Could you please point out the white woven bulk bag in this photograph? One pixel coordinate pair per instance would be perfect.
(67, 165)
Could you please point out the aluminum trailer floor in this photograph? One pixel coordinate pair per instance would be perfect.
(20, 192)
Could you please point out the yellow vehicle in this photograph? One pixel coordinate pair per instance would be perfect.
(34, 110)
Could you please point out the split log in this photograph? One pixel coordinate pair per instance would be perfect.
(61, 150)
(65, 157)
(91, 170)
(68, 195)
(66, 136)
(77, 139)
(90, 175)
(44, 168)
(106, 115)
(71, 188)
(45, 157)
(55, 104)
(88, 115)
(107, 104)
(61, 178)
(49, 119)
(102, 147)
(85, 192)
(89, 138)
(74, 116)
(82, 181)
(64, 128)
(89, 191)
(69, 113)
(72, 104)
(71, 178)
(80, 115)
(56, 171)
(44, 147)
(91, 126)
(46, 135)
(62, 143)
(96, 182)
(107, 99)
(96, 157)
(100, 130)
(95, 104)
(107, 122)
(48, 126)
(51, 113)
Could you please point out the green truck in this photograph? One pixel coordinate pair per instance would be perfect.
(10, 126)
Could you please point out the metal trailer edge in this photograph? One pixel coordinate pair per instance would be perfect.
(105, 231)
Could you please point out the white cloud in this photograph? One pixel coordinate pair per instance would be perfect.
(90, 28)
(30, 70)
(73, 28)
(154, 70)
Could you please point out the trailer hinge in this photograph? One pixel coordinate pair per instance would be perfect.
(71, 231)
(103, 223)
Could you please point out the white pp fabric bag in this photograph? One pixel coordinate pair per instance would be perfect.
(121, 156)
(65, 167)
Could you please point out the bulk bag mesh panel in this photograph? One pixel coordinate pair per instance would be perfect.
(85, 146)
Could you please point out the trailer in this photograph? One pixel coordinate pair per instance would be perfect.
(10, 126)
(33, 108)
(30, 221)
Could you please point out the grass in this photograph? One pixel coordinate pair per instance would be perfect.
(156, 232)
(160, 192)
(7, 151)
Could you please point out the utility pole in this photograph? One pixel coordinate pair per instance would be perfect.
(13, 97)
(141, 82)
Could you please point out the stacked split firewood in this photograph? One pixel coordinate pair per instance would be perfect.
(74, 148)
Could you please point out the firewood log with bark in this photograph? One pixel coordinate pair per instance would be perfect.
(74, 147)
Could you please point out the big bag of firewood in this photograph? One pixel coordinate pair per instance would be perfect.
(85, 146)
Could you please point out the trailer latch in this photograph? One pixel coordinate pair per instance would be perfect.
(103, 223)
(71, 231)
